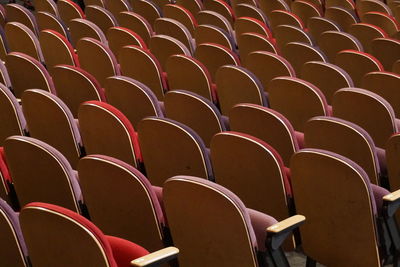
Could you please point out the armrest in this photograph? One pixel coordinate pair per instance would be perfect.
(156, 258)
(391, 203)
(278, 232)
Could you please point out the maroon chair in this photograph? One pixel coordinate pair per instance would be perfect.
(56, 236)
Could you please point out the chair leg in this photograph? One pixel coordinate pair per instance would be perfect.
(310, 262)
(277, 258)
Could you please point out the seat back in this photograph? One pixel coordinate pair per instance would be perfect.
(249, 24)
(97, 59)
(342, 16)
(148, 72)
(163, 159)
(251, 42)
(285, 34)
(372, 112)
(214, 56)
(46, 6)
(249, 10)
(21, 39)
(105, 130)
(306, 9)
(327, 77)
(134, 99)
(365, 33)
(57, 49)
(49, 21)
(213, 34)
(384, 21)
(136, 23)
(282, 17)
(346, 139)
(115, 7)
(147, 9)
(69, 10)
(238, 85)
(214, 18)
(251, 119)
(253, 170)
(75, 86)
(115, 193)
(13, 249)
(20, 14)
(317, 25)
(387, 51)
(219, 216)
(196, 112)
(284, 94)
(357, 64)
(51, 233)
(119, 37)
(41, 173)
(332, 42)
(267, 66)
(34, 73)
(101, 17)
(221, 7)
(190, 74)
(11, 116)
(81, 28)
(181, 14)
(51, 121)
(337, 207)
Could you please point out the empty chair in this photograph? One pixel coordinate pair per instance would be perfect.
(119, 37)
(20, 14)
(214, 56)
(365, 33)
(41, 173)
(284, 94)
(69, 10)
(194, 6)
(238, 85)
(348, 4)
(164, 46)
(269, 6)
(136, 23)
(147, 9)
(212, 34)
(331, 43)
(134, 99)
(214, 18)
(196, 112)
(21, 39)
(317, 25)
(248, 10)
(75, 86)
(327, 77)
(46, 6)
(51, 121)
(11, 116)
(357, 64)
(253, 170)
(346, 139)
(227, 234)
(175, 29)
(222, 8)
(188, 73)
(148, 72)
(283, 17)
(13, 252)
(181, 14)
(267, 125)
(251, 42)
(386, 50)
(300, 53)
(105, 130)
(115, 193)
(382, 20)
(163, 158)
(372, 112)
(305, 10)
(57, 49)
(346, 204)
(81, 28)
(386, 85)
(61, 228)
(96, 58)
(115, 7)
(101, 17)
(342, 16)
(267, 66)
(251, 25)
(48, 21)
(285, 34)
(35, 75)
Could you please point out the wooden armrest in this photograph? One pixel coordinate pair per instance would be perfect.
(156, 258)
(392, 196)
(287, 224)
